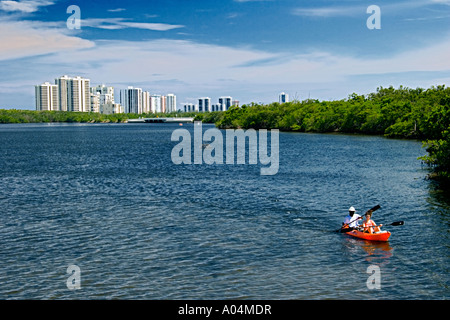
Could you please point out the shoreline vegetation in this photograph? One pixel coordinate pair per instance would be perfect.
(405, 113)
(421, 114)
(32, 116)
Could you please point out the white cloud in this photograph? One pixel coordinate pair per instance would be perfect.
(394, 8)
(117, 10)
(447, 2)
(191, 69)
(151, 26)
(251, 0)
(326, 12)
(29, 38)
(121, 23)
(23, 6)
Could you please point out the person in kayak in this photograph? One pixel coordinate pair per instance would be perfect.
(352, 220)
(368, 225)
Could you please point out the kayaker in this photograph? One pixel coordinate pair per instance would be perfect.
(352, 220)
(369, 225)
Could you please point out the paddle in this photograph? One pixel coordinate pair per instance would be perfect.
(375, 208)
(345, 228)
(396, 223)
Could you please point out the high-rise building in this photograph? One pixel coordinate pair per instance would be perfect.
(225, 103)
(283, 97)
(190, 107)
(103, 89)
(110, 108)
(146, 105)
(106, 97)
(73, 94)
(163, 104)
(79, 95)
(46, 97)
(204, 104)
(171, 104)
(63, 84)
(106, 93)
(95, 102)
(131, 100)
(155, 103)
(102, 100)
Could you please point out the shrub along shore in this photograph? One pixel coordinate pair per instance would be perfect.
(422, 114)
(31, 116)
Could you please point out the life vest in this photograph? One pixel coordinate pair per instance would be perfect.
(367, 226)
(369, 223)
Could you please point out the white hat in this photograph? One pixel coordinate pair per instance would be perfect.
(352, 209)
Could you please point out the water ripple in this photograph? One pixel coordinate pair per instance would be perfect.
(108, 199)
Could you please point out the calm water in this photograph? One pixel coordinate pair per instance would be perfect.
(107, 198)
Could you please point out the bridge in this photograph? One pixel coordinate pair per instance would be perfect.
(161, 120)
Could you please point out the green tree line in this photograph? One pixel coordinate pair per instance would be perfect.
(396, 113)
(31, 116)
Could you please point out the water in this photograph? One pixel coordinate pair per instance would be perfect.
(107, 198)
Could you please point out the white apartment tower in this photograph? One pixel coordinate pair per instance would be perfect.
(95, 102)
(171, 103)
(46, 97)
(110, 108)
(102, 100)
(146, 102)
(283, 97)
(73, 94)
(63, 84)
(190, 107)
(79, 95)
(104, 90)
(131, 100)
(204, 104)
(163, 104)
(226, 103)
(155, 103)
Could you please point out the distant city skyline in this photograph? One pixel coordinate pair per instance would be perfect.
(57, 97)
(250, 49)
(75, 93)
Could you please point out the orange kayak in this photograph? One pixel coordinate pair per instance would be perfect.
(380, 236)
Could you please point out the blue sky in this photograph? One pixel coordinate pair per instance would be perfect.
(248, 49)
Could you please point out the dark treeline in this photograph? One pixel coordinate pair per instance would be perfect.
(396, 113)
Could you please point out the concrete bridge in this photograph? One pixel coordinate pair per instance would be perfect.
(161, 120)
